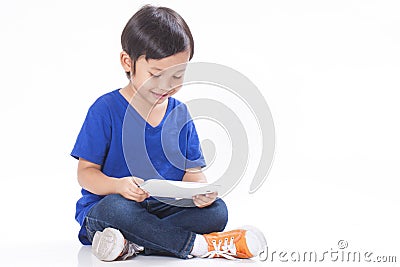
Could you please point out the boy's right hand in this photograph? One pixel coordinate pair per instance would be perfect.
(128, 188)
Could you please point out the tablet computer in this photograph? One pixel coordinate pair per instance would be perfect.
(177, 189)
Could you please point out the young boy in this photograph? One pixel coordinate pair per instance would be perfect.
(116, 216)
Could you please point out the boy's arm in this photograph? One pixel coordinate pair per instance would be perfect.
(91, 178)
(196, 175)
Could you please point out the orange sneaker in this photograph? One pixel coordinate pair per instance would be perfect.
(246, 242)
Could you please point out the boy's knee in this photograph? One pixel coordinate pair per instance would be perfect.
(115, 206)
(218, 216)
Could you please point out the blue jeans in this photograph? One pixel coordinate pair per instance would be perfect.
(162, 229)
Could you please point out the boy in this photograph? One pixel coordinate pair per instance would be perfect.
(116, 216)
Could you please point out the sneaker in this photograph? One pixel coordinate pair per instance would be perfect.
(246, 242)
(110, 245)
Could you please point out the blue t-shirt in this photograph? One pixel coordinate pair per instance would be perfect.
(115, 136)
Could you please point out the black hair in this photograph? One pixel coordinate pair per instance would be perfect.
(156, 32)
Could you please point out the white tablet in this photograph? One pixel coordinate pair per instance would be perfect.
(177, 189)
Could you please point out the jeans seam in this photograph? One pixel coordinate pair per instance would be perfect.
(190, 241)
(89, 234)
(163, 248)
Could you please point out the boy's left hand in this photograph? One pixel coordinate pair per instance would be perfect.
(204, 200)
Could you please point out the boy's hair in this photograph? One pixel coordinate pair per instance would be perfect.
(156, 32)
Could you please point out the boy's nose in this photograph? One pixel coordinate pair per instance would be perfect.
(165, 84)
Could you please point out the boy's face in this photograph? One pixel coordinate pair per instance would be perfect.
(157, 79)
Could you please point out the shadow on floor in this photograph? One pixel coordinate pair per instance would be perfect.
(86, 259)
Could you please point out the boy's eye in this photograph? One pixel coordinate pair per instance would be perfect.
(177, 77)
(153, 75)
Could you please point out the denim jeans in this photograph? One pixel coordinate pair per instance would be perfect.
(162, 229)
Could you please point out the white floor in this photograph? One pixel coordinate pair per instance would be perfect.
(72, 254)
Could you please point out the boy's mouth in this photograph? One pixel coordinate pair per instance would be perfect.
(159, 95)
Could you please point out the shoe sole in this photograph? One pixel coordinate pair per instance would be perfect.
(108, 244)
(259, 235)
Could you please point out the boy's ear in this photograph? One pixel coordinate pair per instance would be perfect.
(126, 61)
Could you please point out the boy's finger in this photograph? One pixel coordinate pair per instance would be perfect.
(201, 200)
(137, 191)
(208, 197)
(137, 181)
(211, 195)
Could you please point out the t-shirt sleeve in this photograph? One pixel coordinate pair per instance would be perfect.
(194, 154)
(93, 140)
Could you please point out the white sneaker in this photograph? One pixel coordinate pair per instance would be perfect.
(110, 244)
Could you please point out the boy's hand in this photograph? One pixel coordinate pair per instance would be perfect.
(204, 200)
(129, 189)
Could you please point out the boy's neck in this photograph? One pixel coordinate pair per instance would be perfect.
(143, 107)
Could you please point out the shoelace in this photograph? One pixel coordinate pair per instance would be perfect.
(130, 249)
(226, 250)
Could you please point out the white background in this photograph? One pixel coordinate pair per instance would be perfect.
(329, 71)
